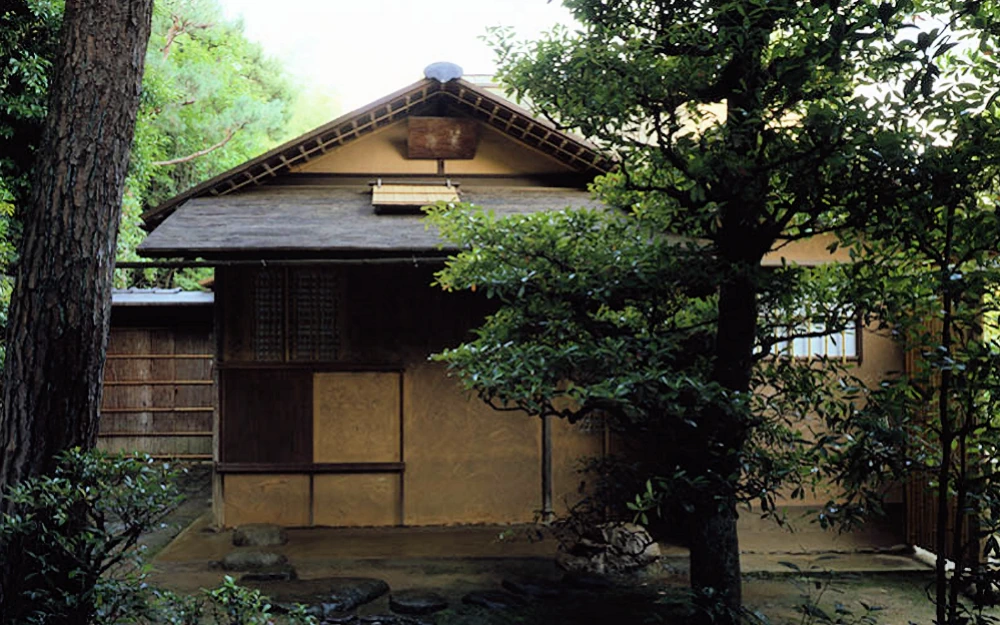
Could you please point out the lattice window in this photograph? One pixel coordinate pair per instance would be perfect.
(269, 318)
(844, 344)
(314, 298)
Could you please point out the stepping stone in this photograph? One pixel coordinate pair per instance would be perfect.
(350, 592)
(259, 535)
(493, 599)
(280, 573)
(533, 587)
(326, 595)
(252, 560)
(416, 602)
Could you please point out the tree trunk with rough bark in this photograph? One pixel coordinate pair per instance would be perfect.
(61, 304)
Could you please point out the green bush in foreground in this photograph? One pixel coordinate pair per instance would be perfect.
(76, 534)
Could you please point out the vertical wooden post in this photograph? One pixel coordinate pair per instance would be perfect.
(402, 448)
(547, 513)
(218, 328)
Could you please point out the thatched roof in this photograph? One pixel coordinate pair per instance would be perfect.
(427, 96)
(324, 222)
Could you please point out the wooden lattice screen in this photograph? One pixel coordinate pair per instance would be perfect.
(313, 300)
(269, 315)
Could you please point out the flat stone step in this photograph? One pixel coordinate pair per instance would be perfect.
(252, 560)
(416, 602)
(327, 595)
(259, 535)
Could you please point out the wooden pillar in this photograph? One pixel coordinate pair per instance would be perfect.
(547, 512)
(218, 492)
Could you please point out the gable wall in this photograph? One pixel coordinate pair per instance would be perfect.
(384, 153)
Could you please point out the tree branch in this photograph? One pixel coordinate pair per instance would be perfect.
(230, 133)
(179, 27)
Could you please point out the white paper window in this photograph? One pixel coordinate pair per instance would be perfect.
(843, 344)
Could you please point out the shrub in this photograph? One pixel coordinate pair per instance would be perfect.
(76, 532)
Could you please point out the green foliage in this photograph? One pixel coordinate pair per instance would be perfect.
(939, 265)
(29, 33)
(739, 128)
(77, 533)
(226, 604)
(238, 605)
(606, 280)
(605, 319)
(211, 100)
(210, 83)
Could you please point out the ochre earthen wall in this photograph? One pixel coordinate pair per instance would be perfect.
(383, 402)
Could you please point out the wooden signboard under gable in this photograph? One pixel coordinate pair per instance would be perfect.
(442, 137)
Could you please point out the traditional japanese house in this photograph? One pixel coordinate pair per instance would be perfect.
(328, 411)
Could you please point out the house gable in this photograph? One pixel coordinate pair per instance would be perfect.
(544, 147)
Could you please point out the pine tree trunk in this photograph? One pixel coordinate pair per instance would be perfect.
(60, 309)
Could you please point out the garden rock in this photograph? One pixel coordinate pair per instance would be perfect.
(416, 602)
(493, 599)
(252, 560)
(612, 548)
(259, 535)
(533, 587)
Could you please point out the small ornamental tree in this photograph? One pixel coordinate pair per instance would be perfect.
(601, 315)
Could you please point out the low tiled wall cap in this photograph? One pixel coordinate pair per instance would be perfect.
(442, 72)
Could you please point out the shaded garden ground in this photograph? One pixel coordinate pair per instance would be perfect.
(440, 560)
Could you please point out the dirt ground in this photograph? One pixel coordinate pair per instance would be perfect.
(893, 594)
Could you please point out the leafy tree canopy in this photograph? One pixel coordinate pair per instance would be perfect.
(211, 100)
(739, 127)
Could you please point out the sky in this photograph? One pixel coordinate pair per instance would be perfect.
(361, 50)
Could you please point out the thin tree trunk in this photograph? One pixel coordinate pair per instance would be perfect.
(943, 610)
(61, 303)
(715, 560)
(715, 551)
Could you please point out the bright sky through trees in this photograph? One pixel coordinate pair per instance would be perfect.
(362, 50)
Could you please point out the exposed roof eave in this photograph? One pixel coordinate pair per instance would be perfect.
(491, 109)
